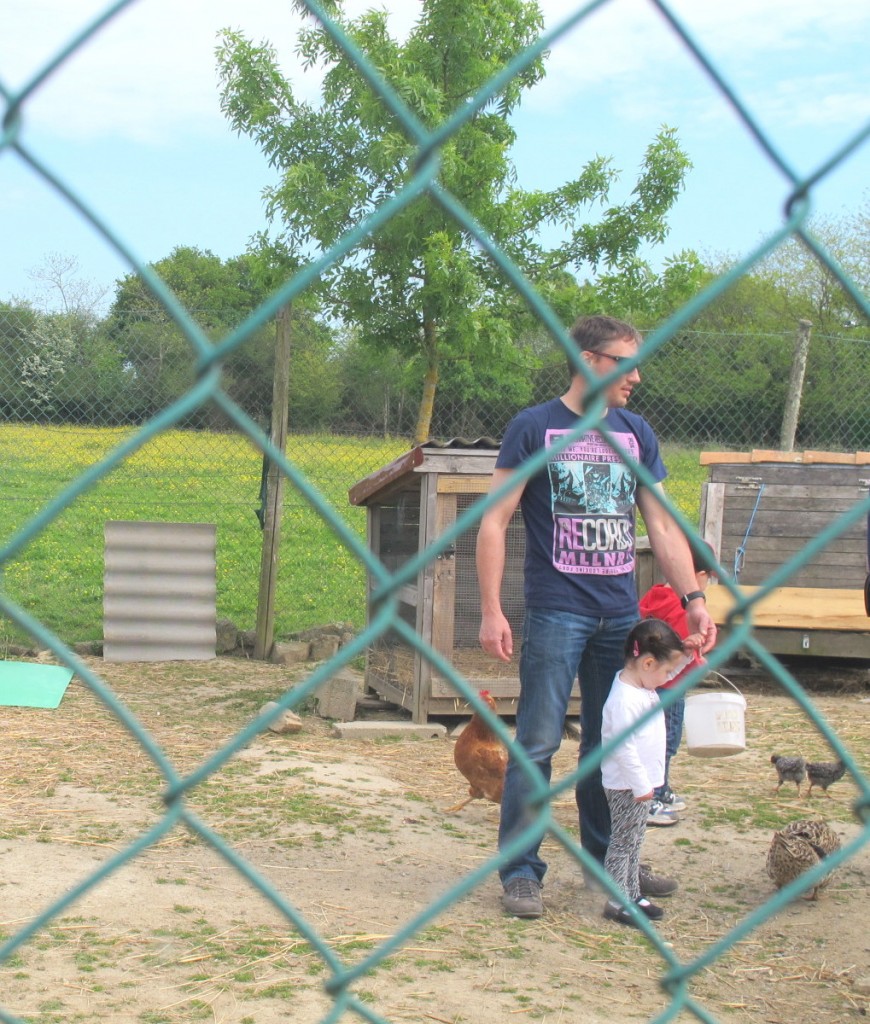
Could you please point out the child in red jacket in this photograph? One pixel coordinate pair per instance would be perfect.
(662, 602)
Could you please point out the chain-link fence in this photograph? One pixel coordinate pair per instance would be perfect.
(170, 424)
(78, 371)
(71, 385)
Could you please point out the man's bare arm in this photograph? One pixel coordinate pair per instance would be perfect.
(495, 631)
(674, 557)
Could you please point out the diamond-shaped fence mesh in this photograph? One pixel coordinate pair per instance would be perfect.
(200, 420)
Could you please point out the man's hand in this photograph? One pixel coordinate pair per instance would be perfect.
(496, 637)
(699, 621)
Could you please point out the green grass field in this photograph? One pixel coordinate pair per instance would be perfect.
(197, 476)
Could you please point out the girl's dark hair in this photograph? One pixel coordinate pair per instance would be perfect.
(654, 637)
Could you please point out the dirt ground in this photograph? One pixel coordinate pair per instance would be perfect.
(354, 838)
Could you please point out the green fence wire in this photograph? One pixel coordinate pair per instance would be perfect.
(677, 975)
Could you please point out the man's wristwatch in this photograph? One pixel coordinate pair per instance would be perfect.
(684, 601)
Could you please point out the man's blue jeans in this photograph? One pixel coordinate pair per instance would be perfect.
(558, 647)
(674, 716)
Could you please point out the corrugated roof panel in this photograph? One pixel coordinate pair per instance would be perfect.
(159, 590)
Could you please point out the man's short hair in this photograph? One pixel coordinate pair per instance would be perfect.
(592, 333)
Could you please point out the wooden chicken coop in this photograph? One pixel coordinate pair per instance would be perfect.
(760, 508)
(410, 503)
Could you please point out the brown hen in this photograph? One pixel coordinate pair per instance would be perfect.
(481, 757)
(797, 848)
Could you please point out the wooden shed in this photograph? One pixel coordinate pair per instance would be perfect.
(409, 503)
(760, 508)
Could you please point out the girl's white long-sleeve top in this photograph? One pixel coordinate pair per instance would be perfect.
(638, 763)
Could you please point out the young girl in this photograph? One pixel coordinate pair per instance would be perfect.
(631, 772)
(663, 602)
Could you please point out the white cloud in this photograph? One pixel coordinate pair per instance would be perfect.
(820, 102)
(149, 75)
(630, 47)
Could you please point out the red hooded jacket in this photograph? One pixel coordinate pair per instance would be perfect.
(661, 602)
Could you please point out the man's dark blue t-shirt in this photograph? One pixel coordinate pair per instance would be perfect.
(579, 511)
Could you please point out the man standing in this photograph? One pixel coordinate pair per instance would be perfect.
(579, 586)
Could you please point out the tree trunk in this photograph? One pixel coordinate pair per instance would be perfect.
(274, 502)
(430, 382)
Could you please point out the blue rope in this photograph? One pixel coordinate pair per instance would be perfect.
(740, 553)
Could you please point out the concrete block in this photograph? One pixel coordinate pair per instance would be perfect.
(337, 697)
(393, 730)
(247, 639)
(289, 652)
(324, 647)
(227, 636)
(89, 648)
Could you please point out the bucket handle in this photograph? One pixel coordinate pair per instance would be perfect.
(724, 679)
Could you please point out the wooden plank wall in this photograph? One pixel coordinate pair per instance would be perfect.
(783, 507)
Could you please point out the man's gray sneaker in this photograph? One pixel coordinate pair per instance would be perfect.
(522, 897)
(655, 885)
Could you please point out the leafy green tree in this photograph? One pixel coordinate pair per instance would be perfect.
(640, 295)
(420, 285)
(378, 387)
(219, 295)
(59, 367)
(738, 351)
(17, 321)
(807, 289)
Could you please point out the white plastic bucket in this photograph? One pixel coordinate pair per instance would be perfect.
(715, 725)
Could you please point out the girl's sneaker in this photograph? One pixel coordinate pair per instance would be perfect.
(671, 801)
(614, 912)
(653, 912)
(660, 815)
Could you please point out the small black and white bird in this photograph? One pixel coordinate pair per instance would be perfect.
(789, 769)
(824, 774)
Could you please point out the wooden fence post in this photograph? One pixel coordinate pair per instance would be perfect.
(274, 500)
(795, 387)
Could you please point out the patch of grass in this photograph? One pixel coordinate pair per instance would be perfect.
(199, 1010)
(246, 805)
(280, 990)
(181, 476)
(51, 1006)
(206, 477)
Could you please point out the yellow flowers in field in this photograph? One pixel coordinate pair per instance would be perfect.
(179, 476)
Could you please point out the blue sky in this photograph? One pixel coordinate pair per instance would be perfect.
(132, 122)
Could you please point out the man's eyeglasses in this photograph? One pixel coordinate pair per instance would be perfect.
(616, 359)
